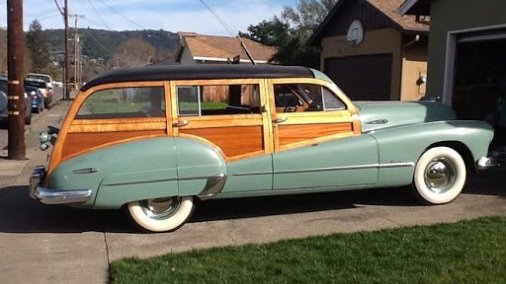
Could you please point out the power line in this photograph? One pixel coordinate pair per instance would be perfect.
(222, 22)
(121, 15)
(59, 8)
(229, 30)
(97, 41)
(98, 14)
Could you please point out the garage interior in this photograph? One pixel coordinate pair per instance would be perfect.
(479, 90)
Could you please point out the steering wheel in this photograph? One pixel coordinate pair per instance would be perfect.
(291, 105)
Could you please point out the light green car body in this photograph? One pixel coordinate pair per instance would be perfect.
(395, 135)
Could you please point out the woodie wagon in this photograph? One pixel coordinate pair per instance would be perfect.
(152, 140)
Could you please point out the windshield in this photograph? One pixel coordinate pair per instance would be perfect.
(39, 77)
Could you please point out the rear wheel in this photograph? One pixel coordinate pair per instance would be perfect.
(440, 175)
(161, 214)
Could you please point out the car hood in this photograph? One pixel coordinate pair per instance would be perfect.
(378, 115)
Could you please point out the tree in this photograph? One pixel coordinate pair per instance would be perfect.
(291, 31)
(37, 47)
(132, 52)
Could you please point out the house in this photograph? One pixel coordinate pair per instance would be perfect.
(208, 49)
(467, 58)
(372, 52)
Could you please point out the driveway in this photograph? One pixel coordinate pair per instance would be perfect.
(47, 244)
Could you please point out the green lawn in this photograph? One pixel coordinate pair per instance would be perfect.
(465, 252)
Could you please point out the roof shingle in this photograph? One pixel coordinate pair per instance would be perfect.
(225, 47)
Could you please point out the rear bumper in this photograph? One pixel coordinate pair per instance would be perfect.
(53, 196)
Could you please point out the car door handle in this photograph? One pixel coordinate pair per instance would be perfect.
(280, 120)
(180, 123)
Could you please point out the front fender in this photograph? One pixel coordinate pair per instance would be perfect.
(407, 144)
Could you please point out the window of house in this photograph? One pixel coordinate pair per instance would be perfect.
(124, 103)
(305, 97)
(218, 100)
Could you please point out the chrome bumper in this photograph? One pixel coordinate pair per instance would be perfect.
(52, 196)
(486, 163)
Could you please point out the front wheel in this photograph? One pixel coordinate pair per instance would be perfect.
(440, 175)
(161, 214)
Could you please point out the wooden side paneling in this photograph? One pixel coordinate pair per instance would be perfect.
(83, 142)
(233, 141)
(289, 134)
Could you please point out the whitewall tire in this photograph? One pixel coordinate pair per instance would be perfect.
(161, 214)
(440, 175)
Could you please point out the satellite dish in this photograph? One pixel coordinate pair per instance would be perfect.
(355, 34)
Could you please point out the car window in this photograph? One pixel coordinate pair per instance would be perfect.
(305, 98)
(124, 103)
(36, 83)
(218, 100)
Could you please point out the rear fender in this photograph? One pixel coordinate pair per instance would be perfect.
(121, 173)
(201, 167)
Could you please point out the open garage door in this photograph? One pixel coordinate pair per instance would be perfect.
(362, 77)
(479, 90)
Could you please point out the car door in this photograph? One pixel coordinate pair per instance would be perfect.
(317, 138)
(231, 116)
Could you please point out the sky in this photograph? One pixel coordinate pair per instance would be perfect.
(169, 15)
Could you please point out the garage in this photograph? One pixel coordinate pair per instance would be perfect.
(479, 90)
(362, 77)
(467, 59)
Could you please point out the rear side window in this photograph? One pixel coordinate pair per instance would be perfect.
(218, 100)
(124, 103)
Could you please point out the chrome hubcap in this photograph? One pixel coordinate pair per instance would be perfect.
(440, 175)
(160, 208)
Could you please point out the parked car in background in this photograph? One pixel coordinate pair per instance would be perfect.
(4, 102)
(37, 98)
(154, 139)
(44, 77)
(47, 92)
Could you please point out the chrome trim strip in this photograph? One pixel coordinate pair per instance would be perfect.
(252, 174)
(214, 185)
(85, 171)
(357, 167)
(139, 182)
(50, 196)
(369, 166)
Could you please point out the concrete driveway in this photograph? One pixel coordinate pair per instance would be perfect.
(48, 244)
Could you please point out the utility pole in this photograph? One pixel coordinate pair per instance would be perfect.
(76, 51)
(66, 73)
(15, 63)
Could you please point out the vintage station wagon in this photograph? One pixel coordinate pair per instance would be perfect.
(154, 139)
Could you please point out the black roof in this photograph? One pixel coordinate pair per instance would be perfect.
(197, 72)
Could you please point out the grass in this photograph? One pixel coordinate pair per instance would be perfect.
(465, 252)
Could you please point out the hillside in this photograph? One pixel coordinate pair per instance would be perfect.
(102, 43)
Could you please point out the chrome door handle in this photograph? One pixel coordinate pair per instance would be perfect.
(280, 120)
(180, 123)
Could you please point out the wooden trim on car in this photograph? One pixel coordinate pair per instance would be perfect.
(248, 134)
(65, 130)
(265, 106)
(311, 127)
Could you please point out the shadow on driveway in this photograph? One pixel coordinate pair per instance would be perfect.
(20, 214)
